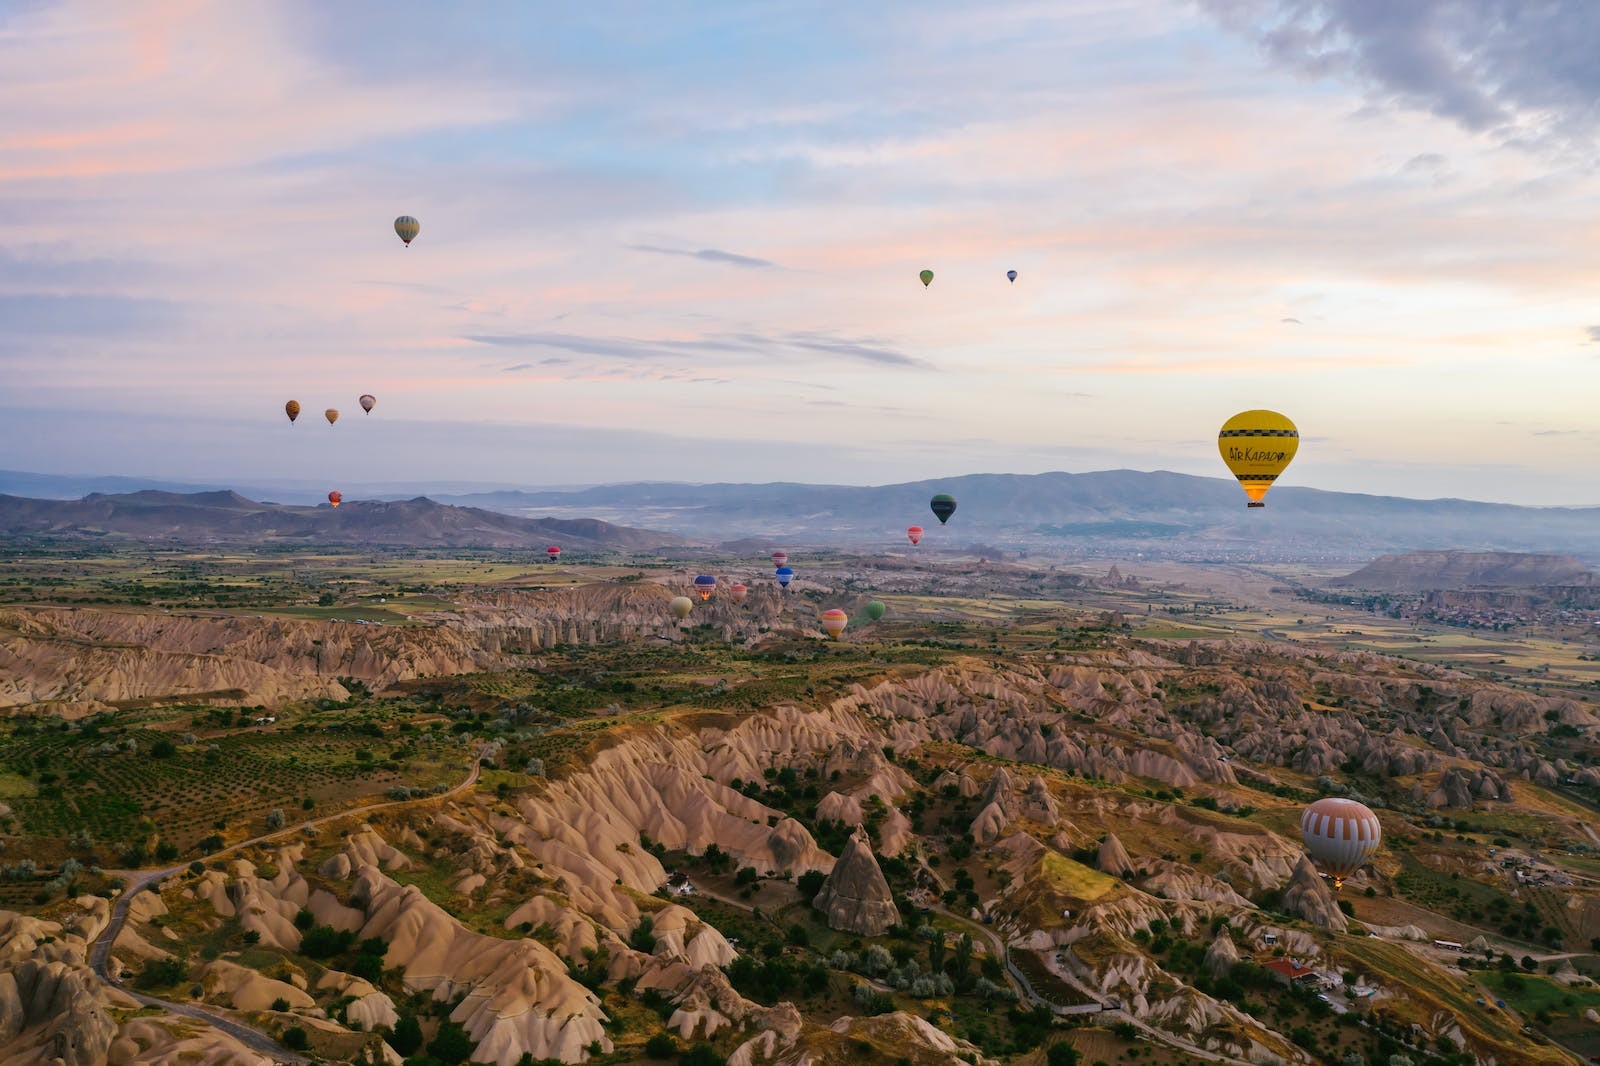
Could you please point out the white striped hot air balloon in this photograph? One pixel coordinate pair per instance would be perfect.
(407, 228)
(1340, 835)
(834, 621)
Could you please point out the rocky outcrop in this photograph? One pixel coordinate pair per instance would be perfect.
(855, 897)
(1310, 897)
(1221, 956)
(1113, 858)
(1458, 789)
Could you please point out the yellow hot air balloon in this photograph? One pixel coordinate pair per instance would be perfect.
(1257, 446)
(407, 228)
(331, 414)
(834, 621)
(292, 409)
(681, 606)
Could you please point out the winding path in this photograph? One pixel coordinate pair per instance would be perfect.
(139, 880)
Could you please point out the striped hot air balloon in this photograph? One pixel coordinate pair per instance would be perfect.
(554, 552)
(407, 228)
(1340, 835)
(914, 534)
(780, 558)
(784, 575)
(1257, 446)
(704, 584)
(331, 414)
(834, 621)
(738, 592)
(292, 409)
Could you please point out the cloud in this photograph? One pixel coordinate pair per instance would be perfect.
(1296, 321)
(863, 350)
(710, 255)
(1521, 70)
(1556, 432)
(39, 314)
(1594, 334)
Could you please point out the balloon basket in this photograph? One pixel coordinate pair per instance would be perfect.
(1255, 503)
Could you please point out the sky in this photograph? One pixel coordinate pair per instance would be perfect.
(680, 240)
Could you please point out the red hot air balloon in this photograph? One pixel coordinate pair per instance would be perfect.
(335, 497)
(554, 552)
(780, 558)
(738, 592)
(914, 534)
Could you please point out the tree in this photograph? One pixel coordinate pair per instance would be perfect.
(1061, 1053)
(746, 876)
(275, 819)
(407, 1035)
(295, 1039)
(452, 1045)
(163, 749)
(701, 1055)
(810, 883)
(661, 1046)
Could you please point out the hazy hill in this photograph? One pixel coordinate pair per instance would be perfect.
(207, 517)
(1154, 512)
(1424, 571)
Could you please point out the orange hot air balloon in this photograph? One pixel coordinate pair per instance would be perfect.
(331, 414)
(368, 402)
(834, 621)
(292, 409)
(738, 592)
(335, 497)
(914, 534)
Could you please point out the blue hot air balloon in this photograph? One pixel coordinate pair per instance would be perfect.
(704, 584)
(785, 575)
(1011, 276)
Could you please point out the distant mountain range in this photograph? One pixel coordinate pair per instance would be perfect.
(227, 517)
(1157, 513)
(1426, 571)
(1114, 512)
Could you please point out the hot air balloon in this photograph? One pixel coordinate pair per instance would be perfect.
(554, 552)
(1340, 835)
(1257, 446)
(704, 584)
(681, 606)
(943, 506)
(331, 414)
(292, 409)
(738, 592)
(834, 621)
(368, 402)
(784, 576)
(780, 558)
(407, 228)
(927, 278)
(875, 610)
(1011, 276)
(335, 497)
(914, 534)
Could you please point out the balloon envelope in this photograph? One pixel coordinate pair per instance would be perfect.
(681, 606)
(927, 278)
(407, 228)
(292, 409)
(779, 558)
(943, 506)
(335, 497)
(784, 576)
(331, 414)
(914, 534)
(876, 609)
(704, 584)
(1340, 835)
(1011, 276)
(554, 552)
(738, 592)
(368, 402)
(834, 621)
(1257, 446)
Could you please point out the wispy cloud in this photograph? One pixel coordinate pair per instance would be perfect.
(709, 255)
(750, 345)
(1594, 334)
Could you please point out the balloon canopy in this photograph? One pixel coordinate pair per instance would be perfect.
(943, 506)
(331, 414)
(738, 592)
(1011, 276)
(780, 557)
(681, 606)
(335, 497)
(927, 278)
(834, 621)
(914, 534)
(368, 402)
(784, 575)
(876, 610)
(407, 228)
(292, 409)
(1257, 446)
(1340, 835)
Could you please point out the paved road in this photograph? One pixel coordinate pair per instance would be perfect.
(136, 881)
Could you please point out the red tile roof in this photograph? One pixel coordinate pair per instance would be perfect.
(1292, 970)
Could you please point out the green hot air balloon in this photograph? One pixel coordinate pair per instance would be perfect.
(875, 610)
(943, 506)
(927, 278)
